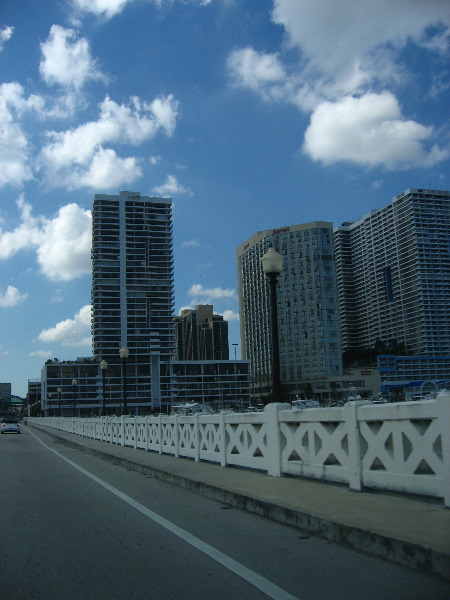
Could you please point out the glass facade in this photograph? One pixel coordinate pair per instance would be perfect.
(393, 271)
(308, 315)
(132, 292)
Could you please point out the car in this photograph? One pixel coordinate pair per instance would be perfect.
(9, 426)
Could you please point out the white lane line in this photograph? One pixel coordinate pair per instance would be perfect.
(263, 584)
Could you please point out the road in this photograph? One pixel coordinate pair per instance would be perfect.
(74, 526)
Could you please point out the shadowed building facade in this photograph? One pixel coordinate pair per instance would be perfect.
(132, 293)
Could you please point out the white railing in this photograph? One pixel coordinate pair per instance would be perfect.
(403, 447)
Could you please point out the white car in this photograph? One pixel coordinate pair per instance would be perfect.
(9, 426)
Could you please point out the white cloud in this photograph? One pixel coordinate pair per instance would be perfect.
(44, 354)
(335, 37)
(27, 235)
(77, 158)
(369, 131)
(71, 332)
(210, 293)
(191, 244)
(15, 149)
(11, 297)
(171, 187)
(65, 247)
(67, 61)
(101, 8)
(5, 34)
(62, 244)
(230, 315)
(110, 8)
(257, 71)
(342, 53)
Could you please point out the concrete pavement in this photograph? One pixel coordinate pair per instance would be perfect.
(409, 531)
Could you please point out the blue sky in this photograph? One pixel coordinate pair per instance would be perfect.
(250, 114)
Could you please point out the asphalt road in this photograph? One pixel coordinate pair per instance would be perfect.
(74, 526)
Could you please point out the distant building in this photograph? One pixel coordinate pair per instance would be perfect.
(5, 390)
(393, 274)
(34, 395)
(393, 269)
(132, 294)
(70, 388)
(310, 346)
(220, 384)
(201, 335)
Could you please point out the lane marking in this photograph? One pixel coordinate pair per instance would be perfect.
(261, 583)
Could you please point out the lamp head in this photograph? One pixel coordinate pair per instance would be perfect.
(272, 262)
(124, 352)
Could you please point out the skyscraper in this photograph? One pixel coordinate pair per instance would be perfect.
(393, 273)
(310, 348)
(132, 292)
(201, 335)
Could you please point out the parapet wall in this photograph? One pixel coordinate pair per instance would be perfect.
(402, 447)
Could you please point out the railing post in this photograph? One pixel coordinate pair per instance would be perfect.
(135, 432)
(122, 424)
(274, 437)
(223, 438)
(196, 438)
(354, 445)
(443, 411)
(160, 435)
(176, 438)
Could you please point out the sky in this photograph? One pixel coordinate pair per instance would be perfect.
(250, 114)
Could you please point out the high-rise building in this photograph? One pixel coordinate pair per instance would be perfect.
(393, 273)
(201, 335)
(310, 347)
(132, 293)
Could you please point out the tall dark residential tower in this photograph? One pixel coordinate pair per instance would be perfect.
(201, 335)
(132, 293)
(310, 347)
(393, 272)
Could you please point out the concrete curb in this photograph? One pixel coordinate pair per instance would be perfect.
(404, 553)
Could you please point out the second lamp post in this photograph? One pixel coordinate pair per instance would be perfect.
(124, 352)
(272, 264)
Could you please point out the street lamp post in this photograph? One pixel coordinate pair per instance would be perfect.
(103, 367)
(123, 353)
(272, 264)
(59, 400)
(49, 401)
(74, 387)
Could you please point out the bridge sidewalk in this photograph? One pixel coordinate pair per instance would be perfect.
(409, 531)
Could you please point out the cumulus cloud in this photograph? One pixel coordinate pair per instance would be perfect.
(101, 8)
(67, 61)
(210, 293)
(257, 71)
(71, 332)
(171, 187)
(191, 244)
(62, 244)
(344, 54)
(15, 149)
(44, 354)
(369, 130)
(6, 34)
(107, 9)
(11, 297)
(230, 315)
(64, 250)
(77, 157)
